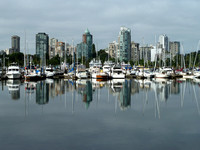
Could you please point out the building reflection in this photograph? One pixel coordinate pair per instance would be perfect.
(125, 95)
(14, 88)
(42, 93)
(84, 87)
(164, 88)
(121, 89)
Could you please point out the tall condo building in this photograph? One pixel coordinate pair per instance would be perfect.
(135, 51)
(42, 47)
(52, 47)
(15, 43)
(145, 53)
(60, 49)
(84, 49)
(164, 42)
(70, 49)
(174, 48)
(113, 49)
(124, 40)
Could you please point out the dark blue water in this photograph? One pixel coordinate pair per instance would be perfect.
(92, 115)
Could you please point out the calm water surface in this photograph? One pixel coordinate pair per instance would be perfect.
(92, 115)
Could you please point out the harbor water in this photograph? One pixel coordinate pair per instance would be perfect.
(96, 115)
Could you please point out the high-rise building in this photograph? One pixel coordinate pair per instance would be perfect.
(42, 47)
(85, 47)
(113, 49)
(174, 48)
(70, 49)
(163, 42)
(15, 42)
(135, 52)
(60, 49)
(52, 47)
(124, 40)
(145, 53)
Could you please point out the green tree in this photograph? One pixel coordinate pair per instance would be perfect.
(17, 57)
(54, 61)
(93, 51)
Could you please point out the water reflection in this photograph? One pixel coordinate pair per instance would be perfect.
(125, 95)
(123, 92)
(42, 93)
(84, 87)
(14, 88)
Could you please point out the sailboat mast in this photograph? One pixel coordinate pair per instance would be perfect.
(156, 54)
(25, 51)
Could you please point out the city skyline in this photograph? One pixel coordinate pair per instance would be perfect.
(178, 20)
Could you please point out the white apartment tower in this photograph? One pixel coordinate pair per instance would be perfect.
(164, 42)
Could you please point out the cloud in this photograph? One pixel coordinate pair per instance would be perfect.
(67, 20)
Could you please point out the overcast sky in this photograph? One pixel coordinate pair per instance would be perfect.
(67, 20)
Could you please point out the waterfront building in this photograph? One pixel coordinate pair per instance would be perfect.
(113, 48)
(174, 48)
(52, 47)
(124, 40)
(42, 47)
(15, 44)
(164, 42)
(145, 53)
(70, 49)
(82, 50)
(135, 51)
(60, 49)
(85, 47)
(156, 53)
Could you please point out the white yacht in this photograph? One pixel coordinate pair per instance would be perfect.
(197, 74)
(97, 73)
(144, 73)
(116, 72)
(107, 70)
(164, 73)
(13, 71)
(49, 72)
(81, 72)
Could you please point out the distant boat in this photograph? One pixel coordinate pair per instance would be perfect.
(13, 71)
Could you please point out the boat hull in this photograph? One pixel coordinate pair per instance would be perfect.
(14, 76)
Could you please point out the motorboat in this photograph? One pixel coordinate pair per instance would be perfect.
(81, 72)
(13, 71)
(32, 74)
(164, 73)
(49, 72)
(116, 72)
